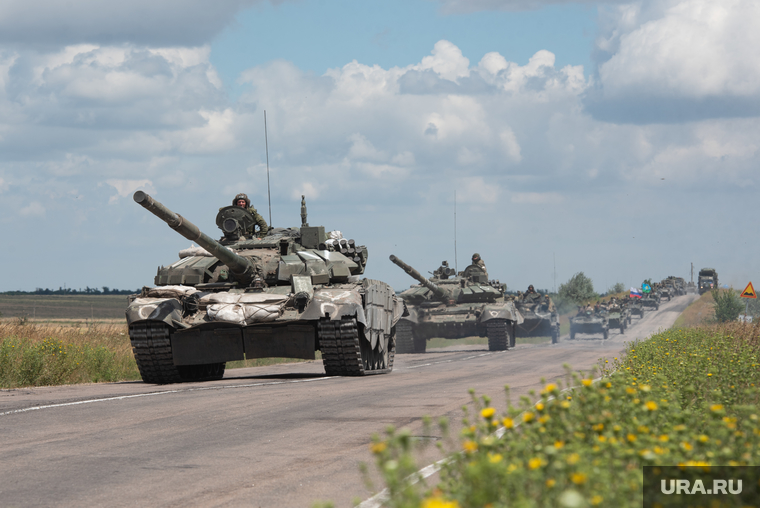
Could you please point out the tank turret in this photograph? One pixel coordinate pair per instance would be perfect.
(241, 267)
(438, 292)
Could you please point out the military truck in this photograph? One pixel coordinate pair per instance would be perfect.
(708, 280)
(288, 294)
(454, 306)
(589, 321)
(540, 317)
(665, 291)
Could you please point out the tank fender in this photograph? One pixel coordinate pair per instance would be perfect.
(411, 315)
(168, 310)
(335, 303)
(383, 310)
(501, 311)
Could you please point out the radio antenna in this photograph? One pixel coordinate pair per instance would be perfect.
(266, 143)
(456, 266)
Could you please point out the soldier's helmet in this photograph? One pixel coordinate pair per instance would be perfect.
(530, 288)
(242, 196)
(475, 257)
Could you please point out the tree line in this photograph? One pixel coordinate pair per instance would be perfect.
(104, 290)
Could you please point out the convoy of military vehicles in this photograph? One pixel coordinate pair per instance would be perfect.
(290, 292)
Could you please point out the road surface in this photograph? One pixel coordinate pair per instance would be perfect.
(277, 436)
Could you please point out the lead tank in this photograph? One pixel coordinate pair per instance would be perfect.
(454, 306)
(288, 294)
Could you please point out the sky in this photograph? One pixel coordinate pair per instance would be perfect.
(615, 138)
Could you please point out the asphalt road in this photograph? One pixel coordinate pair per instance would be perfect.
(275, 436)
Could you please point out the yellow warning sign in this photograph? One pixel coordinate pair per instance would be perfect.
(749, 292)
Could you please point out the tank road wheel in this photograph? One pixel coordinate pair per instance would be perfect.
(344, 353)
(152, 348)
(497, 331)
(555, 334)
(404, 337)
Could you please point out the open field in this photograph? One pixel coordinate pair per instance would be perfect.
(69, 307)
(701, 311)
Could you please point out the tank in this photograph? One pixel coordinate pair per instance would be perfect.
(454, 306)
(591, 322)
(540, 317)
(287, 294)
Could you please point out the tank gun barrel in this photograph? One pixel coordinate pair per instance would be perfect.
(438, 292)
(241, 267)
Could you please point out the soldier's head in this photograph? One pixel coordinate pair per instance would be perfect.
(242, 201)
(475, 257)
(531, 289)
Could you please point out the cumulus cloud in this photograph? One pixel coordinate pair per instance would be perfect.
(168, 22)
(125, 188)
(678, 60)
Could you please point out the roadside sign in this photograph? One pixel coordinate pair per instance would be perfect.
(749, 292)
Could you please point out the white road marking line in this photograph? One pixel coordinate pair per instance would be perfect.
(446, 361)
(151, 394)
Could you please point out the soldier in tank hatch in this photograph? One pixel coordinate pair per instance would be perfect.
(242, 201)
(531, 295)
(478, 261)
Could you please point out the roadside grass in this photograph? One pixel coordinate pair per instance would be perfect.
(700, 311)
(683, 397)
(63, 307)
(41, 355)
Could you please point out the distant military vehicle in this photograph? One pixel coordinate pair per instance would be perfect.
(288, 294)
(651, 300)
(617, 316)
(590, 322)
(635, 307)
(666, 291)
(454, 306)
(708, 280)
(540, 317)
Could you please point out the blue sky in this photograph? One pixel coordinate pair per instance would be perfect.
(316, 36)
(620, 138)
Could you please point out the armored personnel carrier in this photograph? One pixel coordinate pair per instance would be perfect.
(651, 300)
(666, 290)
(288, 294)
(617, 316)
(540, 317)
(635, 307)
(590, 322)
(453, 306)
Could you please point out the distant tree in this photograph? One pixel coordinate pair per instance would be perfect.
(728, 305)
(578, 289)
(617, 288)
(648, 281)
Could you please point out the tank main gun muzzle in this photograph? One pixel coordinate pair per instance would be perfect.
(438, 292)
(242, 269)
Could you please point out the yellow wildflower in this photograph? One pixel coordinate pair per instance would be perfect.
(559, 444)
(651, 405)
(551, 482)
(578, 478)
(493, 458)
(550, 388)
(534, 463)
(631, 438)
(573, 458)
(528, 417)
(378, 447)
(437, 502)
(597, 499)
(587, 382)
(716, 407)
(508, 423)
(540, 406)
(470, 446)
(487, 412)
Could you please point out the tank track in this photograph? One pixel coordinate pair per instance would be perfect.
(404, 337)
(151, 345)
(152, 348)
(497, 331)
(344, 354)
